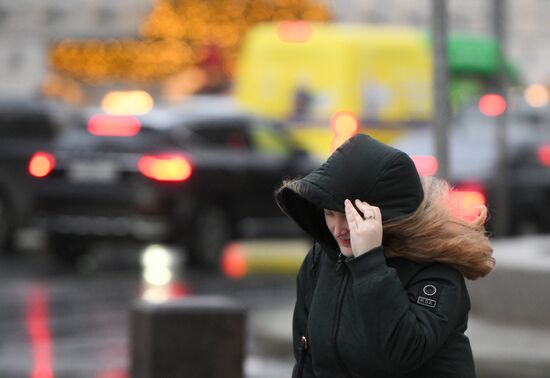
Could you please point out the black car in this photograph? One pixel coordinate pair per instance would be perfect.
(25, 126)
(197, 175)
(530, 176)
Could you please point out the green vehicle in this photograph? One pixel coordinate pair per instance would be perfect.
(474, 65)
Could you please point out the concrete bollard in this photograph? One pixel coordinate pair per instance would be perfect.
(201, 336)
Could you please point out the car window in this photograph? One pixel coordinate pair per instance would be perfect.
(267, 138)
(26, 126)
(226, 134)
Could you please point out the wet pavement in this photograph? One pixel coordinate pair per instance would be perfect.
(73, 322)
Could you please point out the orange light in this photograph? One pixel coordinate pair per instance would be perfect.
(543, 154)
(41, 164)
(234, 261)
(108, 125)
(536, 95)
(344, 125)
(127, 102)
(425, 165)
(492, 105)
(465, 201)
(166, 167)
(294, 31)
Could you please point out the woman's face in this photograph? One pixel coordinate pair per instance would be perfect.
(338, 226)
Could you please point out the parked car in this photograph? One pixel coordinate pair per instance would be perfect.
(197, 175)
(530, 176)
(25, 126)
(473, 154)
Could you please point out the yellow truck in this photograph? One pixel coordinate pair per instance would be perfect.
(310, 73)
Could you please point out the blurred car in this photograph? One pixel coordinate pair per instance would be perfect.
(197, 175)
(530, 176)
(25, 125)
(473, 154)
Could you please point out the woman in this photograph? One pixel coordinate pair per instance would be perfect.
(382, 293)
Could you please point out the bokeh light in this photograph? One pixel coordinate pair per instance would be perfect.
(41, 164)
(173, 37)
(465, 201)
(426, 165)
(343, 125)
(234, 263)
(294, 31)
(127, 102)
(492, 105)
(536, 95)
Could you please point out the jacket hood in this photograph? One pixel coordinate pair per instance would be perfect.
(362, 168)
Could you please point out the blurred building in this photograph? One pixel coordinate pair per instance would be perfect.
(528, 27)
(29, 27)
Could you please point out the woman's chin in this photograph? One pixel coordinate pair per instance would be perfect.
(346, 251)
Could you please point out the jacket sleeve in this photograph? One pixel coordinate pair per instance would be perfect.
(411, 323)
(304, 288)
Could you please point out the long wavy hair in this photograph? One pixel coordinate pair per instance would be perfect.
(434, 232)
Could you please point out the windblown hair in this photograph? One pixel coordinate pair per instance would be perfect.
(435, 233)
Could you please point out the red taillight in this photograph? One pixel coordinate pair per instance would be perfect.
(167, 167)
(543, 154)
(425, 165)
(118, 126)
(492, 105)
(41, 164)
(465, 201)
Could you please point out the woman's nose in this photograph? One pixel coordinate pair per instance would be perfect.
(341, 224)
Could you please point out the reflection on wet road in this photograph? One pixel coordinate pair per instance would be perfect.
(59, 322)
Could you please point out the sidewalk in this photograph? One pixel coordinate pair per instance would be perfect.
(508, 341)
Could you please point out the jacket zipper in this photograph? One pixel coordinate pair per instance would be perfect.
(301, 361)
(340, 261)
(336, 325)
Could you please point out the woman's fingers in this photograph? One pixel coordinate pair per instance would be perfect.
(377, 213)
(369, 212)
(352, 216)
(365, 233)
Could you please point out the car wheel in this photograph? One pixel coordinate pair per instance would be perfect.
(6, 231)
(68, 249)
(212, 231)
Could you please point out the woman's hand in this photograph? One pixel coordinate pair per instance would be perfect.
(365, 233)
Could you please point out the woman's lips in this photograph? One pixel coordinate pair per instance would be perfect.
(345, 242)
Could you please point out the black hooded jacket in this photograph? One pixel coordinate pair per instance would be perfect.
(372, 316)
